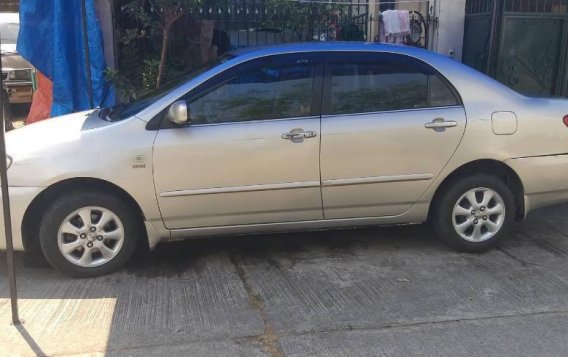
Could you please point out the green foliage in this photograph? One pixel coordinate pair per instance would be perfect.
(143, 23)
(393, 97)
(150, 73)
(125, 89)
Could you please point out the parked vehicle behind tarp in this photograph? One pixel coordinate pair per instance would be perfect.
(16, 71)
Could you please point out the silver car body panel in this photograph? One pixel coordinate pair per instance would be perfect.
(220, 179)
(368, 171)
(56, 150)
(254, 176)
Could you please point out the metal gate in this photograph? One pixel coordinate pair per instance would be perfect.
(521, 43)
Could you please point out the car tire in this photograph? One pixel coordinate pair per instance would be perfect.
(473, 213)
(99, 246)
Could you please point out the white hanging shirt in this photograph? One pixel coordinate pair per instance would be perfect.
(396, 22)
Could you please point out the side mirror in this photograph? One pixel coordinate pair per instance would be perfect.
(178, 113)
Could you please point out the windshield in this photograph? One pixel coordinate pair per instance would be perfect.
(125, 110)
(9, 33)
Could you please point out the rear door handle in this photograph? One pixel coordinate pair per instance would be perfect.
(299, 134)
(439, 124)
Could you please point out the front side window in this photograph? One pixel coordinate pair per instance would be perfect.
(269, 88)
(363, 83)
(127, 109)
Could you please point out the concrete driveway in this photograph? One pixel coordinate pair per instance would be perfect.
(369, 292)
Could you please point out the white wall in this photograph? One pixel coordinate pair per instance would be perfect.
(103, 9)
(448, 35)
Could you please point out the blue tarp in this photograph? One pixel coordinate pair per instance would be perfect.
(51, 39)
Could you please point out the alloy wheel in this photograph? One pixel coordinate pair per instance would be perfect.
(90, 236)
(478, 215)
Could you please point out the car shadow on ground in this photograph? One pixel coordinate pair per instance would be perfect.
(174, 258)
(257, 295)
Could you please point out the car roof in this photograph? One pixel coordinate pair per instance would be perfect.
(9, 17)
(468, 82)
(330, 47)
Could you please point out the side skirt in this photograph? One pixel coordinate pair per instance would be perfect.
(416, 215)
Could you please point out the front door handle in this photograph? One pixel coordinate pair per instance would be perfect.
(299, 134)
(439, 124)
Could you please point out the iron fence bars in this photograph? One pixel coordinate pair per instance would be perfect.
(264, 22)
(536, 6)
(518, 6)
(479, 35)
(479, 7)
(247, 23)
(234, 24)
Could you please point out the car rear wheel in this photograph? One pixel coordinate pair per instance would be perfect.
(474, 212)
(88, 234)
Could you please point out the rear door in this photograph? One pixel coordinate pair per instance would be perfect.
(390, 123)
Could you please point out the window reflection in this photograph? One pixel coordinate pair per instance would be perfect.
(266, 92)
(384, 85)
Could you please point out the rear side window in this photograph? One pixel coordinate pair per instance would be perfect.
(362, 83)
(440, 93)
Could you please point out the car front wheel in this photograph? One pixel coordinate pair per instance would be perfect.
(474, 212)
(88, 234)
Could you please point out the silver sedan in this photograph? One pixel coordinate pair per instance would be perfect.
(287, 138)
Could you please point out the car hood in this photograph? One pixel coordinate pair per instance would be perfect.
(45, 134)
(72, 146)
(8, 48)
(13, 60)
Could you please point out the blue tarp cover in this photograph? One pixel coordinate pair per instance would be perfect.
(51, 39)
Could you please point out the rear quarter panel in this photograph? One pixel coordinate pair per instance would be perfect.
(537, 151)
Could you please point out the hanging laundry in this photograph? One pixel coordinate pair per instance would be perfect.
(396, 25)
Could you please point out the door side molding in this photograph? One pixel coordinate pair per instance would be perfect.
(376, 179)
(248, 188)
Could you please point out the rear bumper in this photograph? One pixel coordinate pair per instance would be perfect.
(20, 199)
(544, 178)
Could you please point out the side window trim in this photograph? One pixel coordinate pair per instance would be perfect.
(248, 122)
(326, 92)
(394, 111)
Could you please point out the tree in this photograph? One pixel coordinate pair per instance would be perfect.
(161, 38)
(169, 11)
(160, 15)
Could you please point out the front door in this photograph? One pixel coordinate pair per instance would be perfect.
(251, 152)
(390, 124)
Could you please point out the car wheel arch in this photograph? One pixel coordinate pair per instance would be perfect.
(487, 166)
(32, 216)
